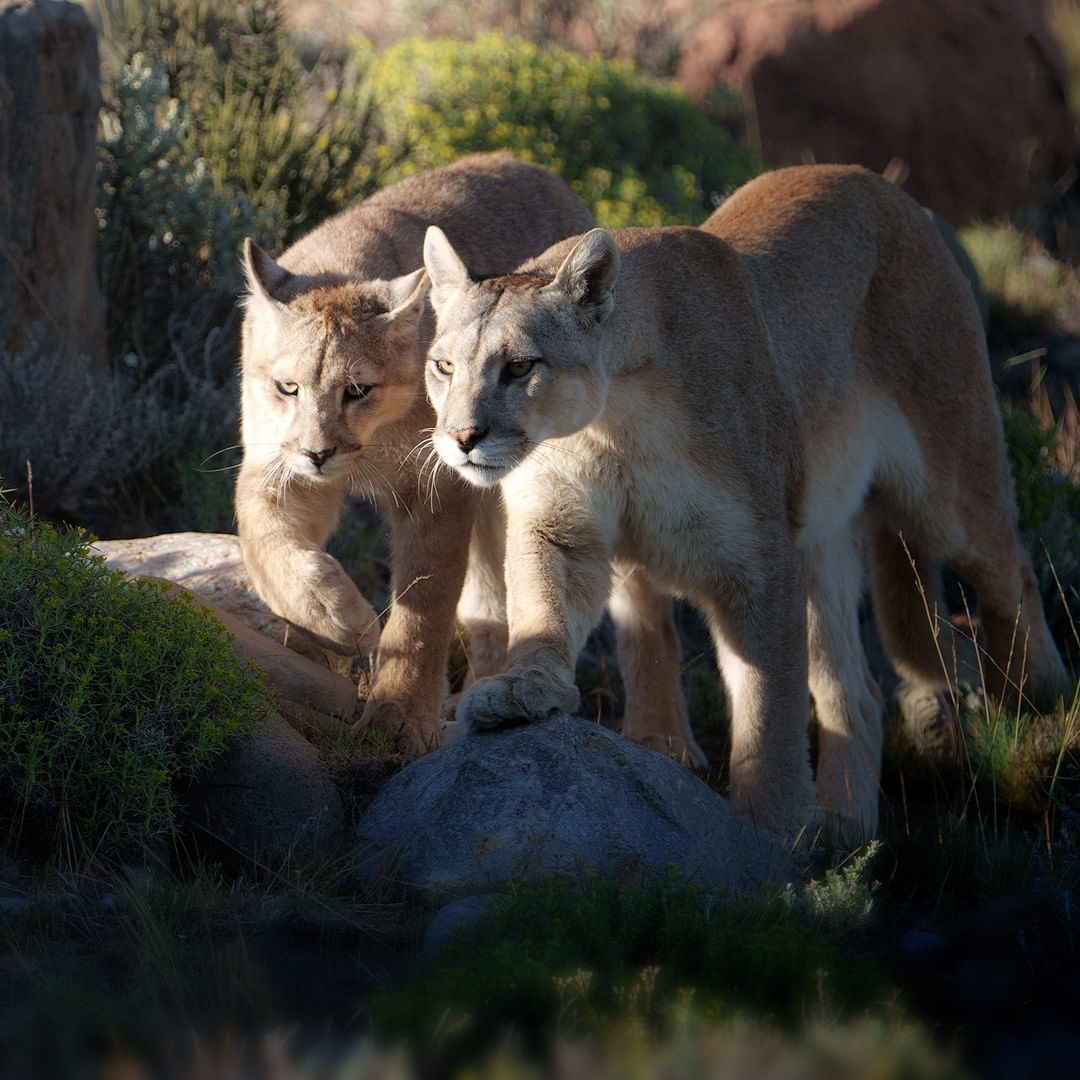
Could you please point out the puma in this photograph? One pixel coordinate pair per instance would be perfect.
(730, 413)
(333, 346)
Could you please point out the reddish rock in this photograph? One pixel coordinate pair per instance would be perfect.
(967, 99)
(49, 101)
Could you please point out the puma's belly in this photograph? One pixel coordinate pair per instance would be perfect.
(871, 443)
(689, 532)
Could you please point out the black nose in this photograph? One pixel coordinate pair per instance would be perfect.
(467, 438)
(320, 457)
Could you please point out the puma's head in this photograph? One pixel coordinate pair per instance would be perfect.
(516, 359)
(327, 362)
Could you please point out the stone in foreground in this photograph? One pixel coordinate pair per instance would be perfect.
(566, 798)
(269, 799)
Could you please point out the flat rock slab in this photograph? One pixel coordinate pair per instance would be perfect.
(566, 798)
(209, 564)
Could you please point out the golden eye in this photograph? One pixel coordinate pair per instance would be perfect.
(444, 367)
(289, 389)
(354, 392)
(518, 369)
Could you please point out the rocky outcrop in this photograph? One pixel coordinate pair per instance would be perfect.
(315, 701)
(49, 102)
(270, 798)
(964, 101)
(565, 797)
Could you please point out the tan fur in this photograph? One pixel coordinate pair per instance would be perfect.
(345, 307)
(723, 411)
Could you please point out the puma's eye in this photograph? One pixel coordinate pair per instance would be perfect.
(444, 367)
(289, 389)
(518, 369)
(354, 392)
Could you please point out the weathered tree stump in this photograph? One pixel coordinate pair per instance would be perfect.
(49, 101)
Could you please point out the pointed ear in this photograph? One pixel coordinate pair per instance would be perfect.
(443, 264)
(588, 275)
(265, 278)
(406, 297)
(408, 293)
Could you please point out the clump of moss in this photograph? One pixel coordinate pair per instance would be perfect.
(110, 690)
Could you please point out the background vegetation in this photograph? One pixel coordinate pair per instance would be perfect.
(219, 123)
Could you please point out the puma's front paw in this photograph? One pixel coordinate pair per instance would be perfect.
(417, 733)
(327, 604)
(503, 700)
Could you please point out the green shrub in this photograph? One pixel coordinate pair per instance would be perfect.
(166, 232)
(212, 131)
(648, 33)
(636, 150)
(110, 690)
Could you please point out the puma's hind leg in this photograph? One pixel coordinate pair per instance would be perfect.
(927, 653)
(846, 697)
(1022, 660)
(650, 659)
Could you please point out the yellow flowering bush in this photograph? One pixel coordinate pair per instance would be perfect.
(635, 149)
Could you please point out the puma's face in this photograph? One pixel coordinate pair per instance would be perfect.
(325, 367)
(516, 359)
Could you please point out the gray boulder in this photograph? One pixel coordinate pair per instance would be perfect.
(566, 798)
(269, 799)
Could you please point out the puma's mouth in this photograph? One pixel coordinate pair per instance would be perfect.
(479, 465)
(337, 466)
(482, 474)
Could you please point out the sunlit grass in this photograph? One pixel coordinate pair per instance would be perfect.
(1027, 287)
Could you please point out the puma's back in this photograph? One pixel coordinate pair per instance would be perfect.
(500, 211)
(845, 265)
